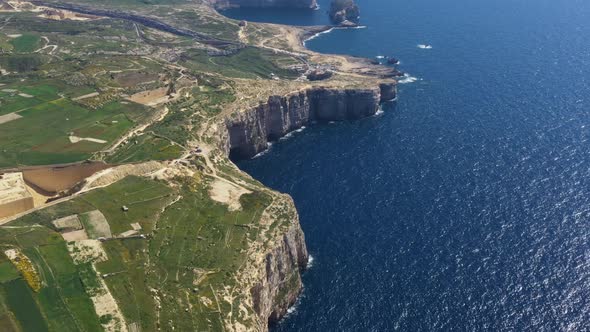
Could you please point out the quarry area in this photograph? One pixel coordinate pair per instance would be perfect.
(120, 208)
(14, 196)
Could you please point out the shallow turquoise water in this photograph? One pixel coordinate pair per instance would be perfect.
(466, 205)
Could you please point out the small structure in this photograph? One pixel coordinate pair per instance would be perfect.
(243, 24)
(124, 208)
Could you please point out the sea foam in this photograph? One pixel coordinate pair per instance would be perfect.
(379, 111)
(407, 79)
(317, 35)
(310, 260)
(425, 47)
(260, 154)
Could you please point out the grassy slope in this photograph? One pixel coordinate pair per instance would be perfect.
(41, 135)
(195, 244)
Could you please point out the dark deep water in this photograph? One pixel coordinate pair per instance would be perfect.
(466, 205)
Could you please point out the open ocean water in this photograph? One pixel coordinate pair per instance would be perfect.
(465, 206)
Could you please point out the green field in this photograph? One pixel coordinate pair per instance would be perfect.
(197, 243)
(19, 298)
(8, 272)
(41, 136)
(26, 43)
(143, 197)
(148, 147)
(62, 304)
(250, 62)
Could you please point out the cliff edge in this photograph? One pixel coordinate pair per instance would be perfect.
(224, 4)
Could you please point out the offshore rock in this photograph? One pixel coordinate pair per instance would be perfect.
(344, 12)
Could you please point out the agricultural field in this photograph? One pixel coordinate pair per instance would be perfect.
(61, 304)
(48, 127)
(26, 43)
(194, 245)
(250, 62)
(148, 147)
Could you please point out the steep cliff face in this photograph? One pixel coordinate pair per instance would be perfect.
(280, 283)
(249, 132)
(221, 4)
(244, 134)
(388, 91)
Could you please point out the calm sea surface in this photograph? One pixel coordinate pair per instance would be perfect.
(465, 206)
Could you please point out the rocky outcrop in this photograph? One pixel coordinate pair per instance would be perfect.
(280, 282)
(344, 12)
(249, 132)
(223, 4)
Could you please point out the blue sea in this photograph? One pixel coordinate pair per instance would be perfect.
(465, 206)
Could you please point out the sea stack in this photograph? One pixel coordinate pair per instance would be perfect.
(344, 12)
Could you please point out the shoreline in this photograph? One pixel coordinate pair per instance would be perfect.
(326, 29)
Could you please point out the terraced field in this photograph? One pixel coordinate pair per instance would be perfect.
(168, 278)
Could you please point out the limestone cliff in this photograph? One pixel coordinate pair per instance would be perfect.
(280, 281)
(274, 282)
(222, 4)
(249, 132)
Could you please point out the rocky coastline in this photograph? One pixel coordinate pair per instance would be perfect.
(249, 132)
(246, 133)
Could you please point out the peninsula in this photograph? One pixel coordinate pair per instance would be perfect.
(119, 121)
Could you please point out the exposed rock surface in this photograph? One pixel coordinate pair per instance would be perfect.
(221, 4)
(388, 91)
(249, 132)
(318, 75)
(344, 12)
(244, 134)
(280, 282)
